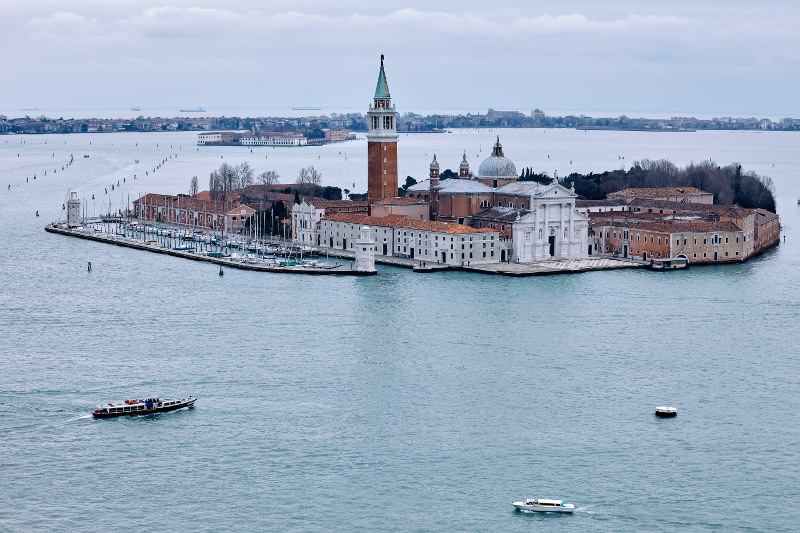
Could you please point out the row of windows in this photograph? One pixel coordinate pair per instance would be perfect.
(715, 239)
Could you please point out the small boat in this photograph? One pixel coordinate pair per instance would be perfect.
(142, 407)
(193, 110)
(666, 412)
(546, 506)
(136, 108)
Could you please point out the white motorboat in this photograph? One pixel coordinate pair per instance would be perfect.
(547, 506)
(666, 411)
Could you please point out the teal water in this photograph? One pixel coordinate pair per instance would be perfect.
(400, 402)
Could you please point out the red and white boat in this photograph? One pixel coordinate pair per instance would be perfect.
(142, 407)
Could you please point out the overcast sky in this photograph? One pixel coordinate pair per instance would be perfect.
(704, 57)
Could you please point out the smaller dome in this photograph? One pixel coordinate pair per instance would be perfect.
(434, 163)
(464, 163)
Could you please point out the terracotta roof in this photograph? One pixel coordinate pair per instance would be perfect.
(400, 221)
(733, 211)
(671, 226)
(187, 203)
(365, 220)
(441, 227)
(661, 191)
(763, 216)
(609, 202)
(399, 201)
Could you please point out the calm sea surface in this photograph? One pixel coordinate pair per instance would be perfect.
(400, 402)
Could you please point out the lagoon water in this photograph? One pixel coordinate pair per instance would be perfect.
(401, 402)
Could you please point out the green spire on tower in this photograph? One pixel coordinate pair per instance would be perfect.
(382, 89)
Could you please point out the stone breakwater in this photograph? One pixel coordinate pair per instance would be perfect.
(222, 261)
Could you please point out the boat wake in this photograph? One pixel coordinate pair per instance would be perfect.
(80, 417)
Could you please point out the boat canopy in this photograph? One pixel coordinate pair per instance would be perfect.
(550, 502)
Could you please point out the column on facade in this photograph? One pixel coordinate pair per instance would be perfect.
(571, 240)
(535, 240)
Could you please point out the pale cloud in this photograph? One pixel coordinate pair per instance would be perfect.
(612, 50)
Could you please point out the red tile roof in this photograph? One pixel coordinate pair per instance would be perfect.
(670, 226)
(661, 191)
(399, 201)
(400, 221)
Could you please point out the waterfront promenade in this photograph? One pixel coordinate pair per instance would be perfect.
(540, 268)
(519, 270)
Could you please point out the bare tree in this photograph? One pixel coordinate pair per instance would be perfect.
(194, 188)
(227, 176)
(267, 179)
(244, 175)
(309, 178)
(215, 185)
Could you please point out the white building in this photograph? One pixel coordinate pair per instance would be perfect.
(365, 251)
(214, 137)
(276, 139)
(73, 210)
(395, 235)
(305, 224)
(553, 229)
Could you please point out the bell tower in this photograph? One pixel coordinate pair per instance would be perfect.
(381, 144)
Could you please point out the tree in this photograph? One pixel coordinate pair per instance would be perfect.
(193, 187)
(244, 175)
(448, 174)
(308, 177)
(215, 185)
(296, 197)
(267, 179)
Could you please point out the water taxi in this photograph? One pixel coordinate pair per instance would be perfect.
(547, 506)
(142, 407)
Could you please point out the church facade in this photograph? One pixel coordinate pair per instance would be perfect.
(540, 220)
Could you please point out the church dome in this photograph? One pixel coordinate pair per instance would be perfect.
(497, 165)
(434, 163)
(464, 162)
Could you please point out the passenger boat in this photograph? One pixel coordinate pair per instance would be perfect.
(666, 412)
(547, 506)
(669, 263)
(142, 407)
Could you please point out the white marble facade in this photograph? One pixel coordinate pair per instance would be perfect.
(553, 229)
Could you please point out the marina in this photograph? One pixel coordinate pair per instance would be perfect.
(243, 262)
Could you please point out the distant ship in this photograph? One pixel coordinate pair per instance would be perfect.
(195, 110)
(30, 109)
(306, 109)
(136, 108)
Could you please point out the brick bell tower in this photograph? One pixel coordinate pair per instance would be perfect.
(381, 144)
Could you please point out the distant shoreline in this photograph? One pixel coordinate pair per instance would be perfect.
(614, 128)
